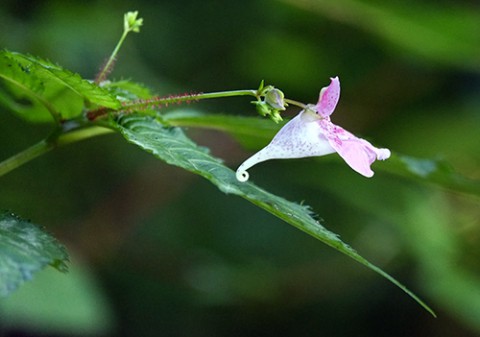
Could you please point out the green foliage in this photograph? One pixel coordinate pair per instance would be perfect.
(24, 250)
(49, 90)
(172, 146)
(410, 82)
(38, 90)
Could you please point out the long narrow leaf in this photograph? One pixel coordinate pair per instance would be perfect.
(172, 146)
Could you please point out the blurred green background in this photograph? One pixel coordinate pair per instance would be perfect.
(159, 252)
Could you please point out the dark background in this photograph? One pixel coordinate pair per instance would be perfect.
(159, 252)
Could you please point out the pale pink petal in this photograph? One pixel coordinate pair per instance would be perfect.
(328, 98)
(357, 152)
(357, 156)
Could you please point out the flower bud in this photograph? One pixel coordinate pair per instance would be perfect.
(275, 98)
(262, 108)
(272, 103)
(275, 116)
(131, 23)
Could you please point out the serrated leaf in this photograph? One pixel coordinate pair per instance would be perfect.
(24, 250)
(174, 147)
(74, 82)
(23, 92)
(48, 88)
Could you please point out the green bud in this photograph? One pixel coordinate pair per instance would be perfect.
(272, 103)
(131, 23)
(260, 87)
(275, 116)
(262, 108)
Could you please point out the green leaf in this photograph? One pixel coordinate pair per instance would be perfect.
(41, 90)
(24, 250)
(172, 146)
(46, 70)
(23, 92)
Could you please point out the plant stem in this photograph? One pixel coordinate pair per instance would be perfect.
(189, 97)
(81, 134)
(296, 103)
(158, 101)
(108, 66)
(48, 144)
(230, 93)
(165, 101)
(25, 156)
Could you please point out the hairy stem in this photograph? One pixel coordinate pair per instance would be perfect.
(230, 93)
(107, 68)
(189, 97)
(142, 104)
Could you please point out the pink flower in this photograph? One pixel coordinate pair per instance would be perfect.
(311, 133)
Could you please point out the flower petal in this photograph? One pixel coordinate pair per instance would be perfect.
(311, 133)
(300, 137)
(357, 152)
(328, 98)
